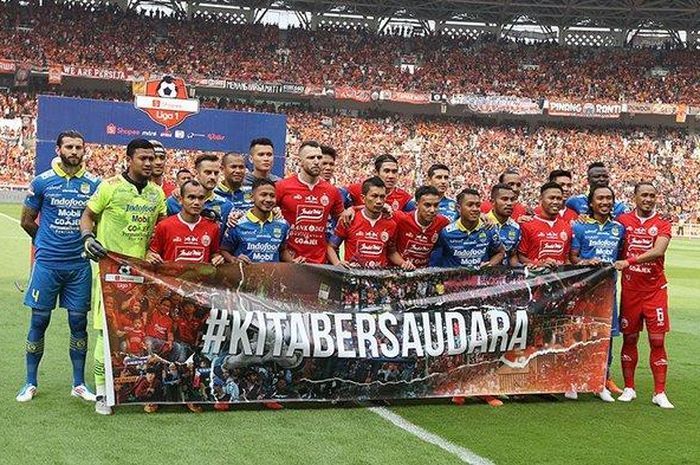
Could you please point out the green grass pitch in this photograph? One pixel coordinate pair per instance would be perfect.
(55, 428)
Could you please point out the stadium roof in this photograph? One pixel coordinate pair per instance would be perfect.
(617, 14)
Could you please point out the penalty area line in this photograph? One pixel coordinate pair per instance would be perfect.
(465, 455)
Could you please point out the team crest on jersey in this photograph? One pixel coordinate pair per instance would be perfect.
(653, 231)
(384, 236)
(615, 232)
(395, 205)
(166, 102)
(206, 240)
(325, 200)
(563, 235)
(511, 235)
(277, 233)
(482, 235)
(84, 188)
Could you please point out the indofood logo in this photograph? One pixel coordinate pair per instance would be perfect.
(166, 102)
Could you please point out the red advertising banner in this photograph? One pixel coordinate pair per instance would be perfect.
(285, 332)
(352, 93)
(585, 109)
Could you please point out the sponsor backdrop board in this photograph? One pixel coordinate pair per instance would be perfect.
(116, 123)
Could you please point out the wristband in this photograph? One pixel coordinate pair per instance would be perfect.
(632, 261)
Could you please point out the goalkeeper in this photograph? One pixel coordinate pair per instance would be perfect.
(126, 209)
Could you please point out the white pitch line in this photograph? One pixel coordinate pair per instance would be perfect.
(465, 455)
(10, 218)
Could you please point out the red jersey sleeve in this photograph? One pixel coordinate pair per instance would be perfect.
(524, 246)
(341, 231)
(158, 240)
(214, 246)
(665, 228)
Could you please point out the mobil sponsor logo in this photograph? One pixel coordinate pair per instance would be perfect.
(189, 254)
(309, 213)
(370, 248)
(551, 247)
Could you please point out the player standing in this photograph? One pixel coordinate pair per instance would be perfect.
(125, 208)
(158, 175)
(370, 239)
(386, 167)
(258, 236)
(468, 242)
(231, 187)
(173, 201)
(59, 272)
(307, 202)
(546, 239)
(439, 178)
(564, 179)
(597, 175)
(502, 200)
(262, 156)
(596, 240)
(186, 237)
(417, 232)
(644, 291)
(513, 179)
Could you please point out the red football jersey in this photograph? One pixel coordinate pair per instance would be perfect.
(397, 198)
(519, 209)
(168, 188)
(159, 326)
(415, 242)
(368, 242)
(177, 241)
(187, 330)
(307, 209)
(640, 237)
(543, 239)
(567, 214)
(135, 340)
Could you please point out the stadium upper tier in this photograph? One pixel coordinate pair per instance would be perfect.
(476, 153)
(200, 48)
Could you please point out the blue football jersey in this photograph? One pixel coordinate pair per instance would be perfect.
(509, 233)
(579, 203)
(594, 240)
(260, 241)
(60, 200)
(241, 199)
(458, 246)
(447, 208)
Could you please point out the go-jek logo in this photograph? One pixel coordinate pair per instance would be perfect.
(166, 102)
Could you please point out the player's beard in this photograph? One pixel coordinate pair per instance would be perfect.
(74, 163)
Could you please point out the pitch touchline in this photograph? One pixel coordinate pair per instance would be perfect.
(10, 218)
(465, 455)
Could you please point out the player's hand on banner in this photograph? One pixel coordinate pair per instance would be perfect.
(347, 216)
(347, 265)
(408, 265)
(153, 258)
(591, 262)
(93, 249)
(549, 263)
(621, 265)
(299, 260)
(217, 260)
(244, 259)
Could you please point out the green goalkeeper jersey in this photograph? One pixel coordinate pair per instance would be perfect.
(127, 218)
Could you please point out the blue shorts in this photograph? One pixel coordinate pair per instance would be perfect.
(70, 287)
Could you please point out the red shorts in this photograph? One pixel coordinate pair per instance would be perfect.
(639, 306)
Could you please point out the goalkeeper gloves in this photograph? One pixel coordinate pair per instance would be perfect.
(93, 249)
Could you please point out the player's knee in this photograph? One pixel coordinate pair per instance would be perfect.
(656, 341)
(40, 319)
(77, 321)
(630, 339)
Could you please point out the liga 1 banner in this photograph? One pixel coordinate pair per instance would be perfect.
(285, 332)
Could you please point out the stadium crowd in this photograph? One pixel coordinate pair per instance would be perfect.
(477, 151)
(103, 36)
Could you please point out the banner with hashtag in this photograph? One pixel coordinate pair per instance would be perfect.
(184, 333)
